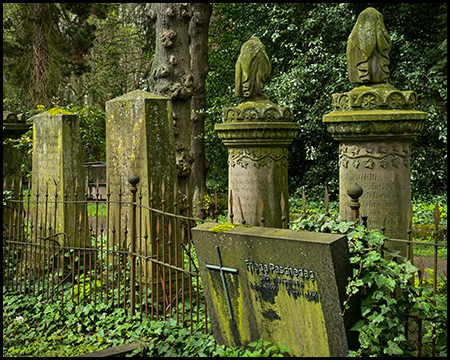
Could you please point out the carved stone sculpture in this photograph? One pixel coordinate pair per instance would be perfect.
(252, 69)
(257, 133)
(368, 49)
(375, 124)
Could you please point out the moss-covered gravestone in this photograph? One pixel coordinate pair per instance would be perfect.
(375, 124)
(58, 175)
(278, 285)
(13, 128)
(140, 141)
(257, 134)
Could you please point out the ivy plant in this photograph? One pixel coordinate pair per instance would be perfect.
(384, 282)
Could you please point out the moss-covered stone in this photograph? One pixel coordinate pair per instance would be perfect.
(223, 227)
(139, 129)
(57, 111)
(283, 286)
(58, 158)
(375, 124)
(257, 133)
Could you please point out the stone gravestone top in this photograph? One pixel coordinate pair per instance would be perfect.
(58, 159)
(279, 285)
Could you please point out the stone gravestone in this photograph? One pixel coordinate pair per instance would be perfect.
(57, 157)
(257, 134)
(139, 130)
(13, 128)
(375, 124)
(276, 284)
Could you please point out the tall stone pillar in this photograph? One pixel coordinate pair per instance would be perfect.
(139, 129)
(257, 134)
(375, 124)
(58, 159)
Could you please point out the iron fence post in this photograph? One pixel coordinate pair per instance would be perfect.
(355, 191)
(133, 180)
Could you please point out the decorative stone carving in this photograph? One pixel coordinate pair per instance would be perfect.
(258, 158)
(252, 70)
(379, 96)
(375, 124)
(384, 156)
(256, 111)
(257, 133)
(368, 49)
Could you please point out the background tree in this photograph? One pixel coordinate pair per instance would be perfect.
(172, 77)
(198, 32)
(179, 69)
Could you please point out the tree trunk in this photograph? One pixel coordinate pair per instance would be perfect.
(171, 77)
(198, 31)
(41, 15)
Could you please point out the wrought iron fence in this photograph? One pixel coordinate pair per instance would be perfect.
(144, 265)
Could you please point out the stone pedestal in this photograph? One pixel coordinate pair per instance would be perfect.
(139, 129)
(57, 158)
(257, 134)
(375, 126)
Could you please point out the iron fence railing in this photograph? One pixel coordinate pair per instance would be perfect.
(133, 256)
(145, 264)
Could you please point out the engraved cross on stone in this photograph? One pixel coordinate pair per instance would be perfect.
(222, 270)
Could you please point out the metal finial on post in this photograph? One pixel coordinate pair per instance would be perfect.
(355, 191)
(133, 180)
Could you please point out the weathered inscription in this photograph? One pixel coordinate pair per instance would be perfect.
(273, 277)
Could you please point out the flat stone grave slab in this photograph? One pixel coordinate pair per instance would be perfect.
(276, 284)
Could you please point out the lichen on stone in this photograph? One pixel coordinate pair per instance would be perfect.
(220, 228)
(56, 111)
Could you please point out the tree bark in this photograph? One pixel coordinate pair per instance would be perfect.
(41, 15)
(172, 77)
(198, 31)
(179, 71)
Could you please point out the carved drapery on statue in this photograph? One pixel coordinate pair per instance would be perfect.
(368, 49)
(252, 69)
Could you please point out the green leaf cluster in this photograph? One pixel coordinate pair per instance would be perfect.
(384, 283)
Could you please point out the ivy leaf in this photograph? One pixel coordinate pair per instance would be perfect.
(393, 349)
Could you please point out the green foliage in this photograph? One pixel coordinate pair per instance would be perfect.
(92, 131)
(32, 327)
(423, 210)
(383, 281)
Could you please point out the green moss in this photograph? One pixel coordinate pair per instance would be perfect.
(56, 111)
(223, 227)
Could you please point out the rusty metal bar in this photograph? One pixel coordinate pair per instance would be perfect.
(133, 180)
(230, 210)
(261, 209)
(284, 218)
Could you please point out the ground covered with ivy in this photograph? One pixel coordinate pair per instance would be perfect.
(35, 328)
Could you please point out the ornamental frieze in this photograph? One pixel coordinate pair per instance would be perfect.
(257, 113)
(375, 127)
(364, 98)
(258, 158)
(370, 156)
